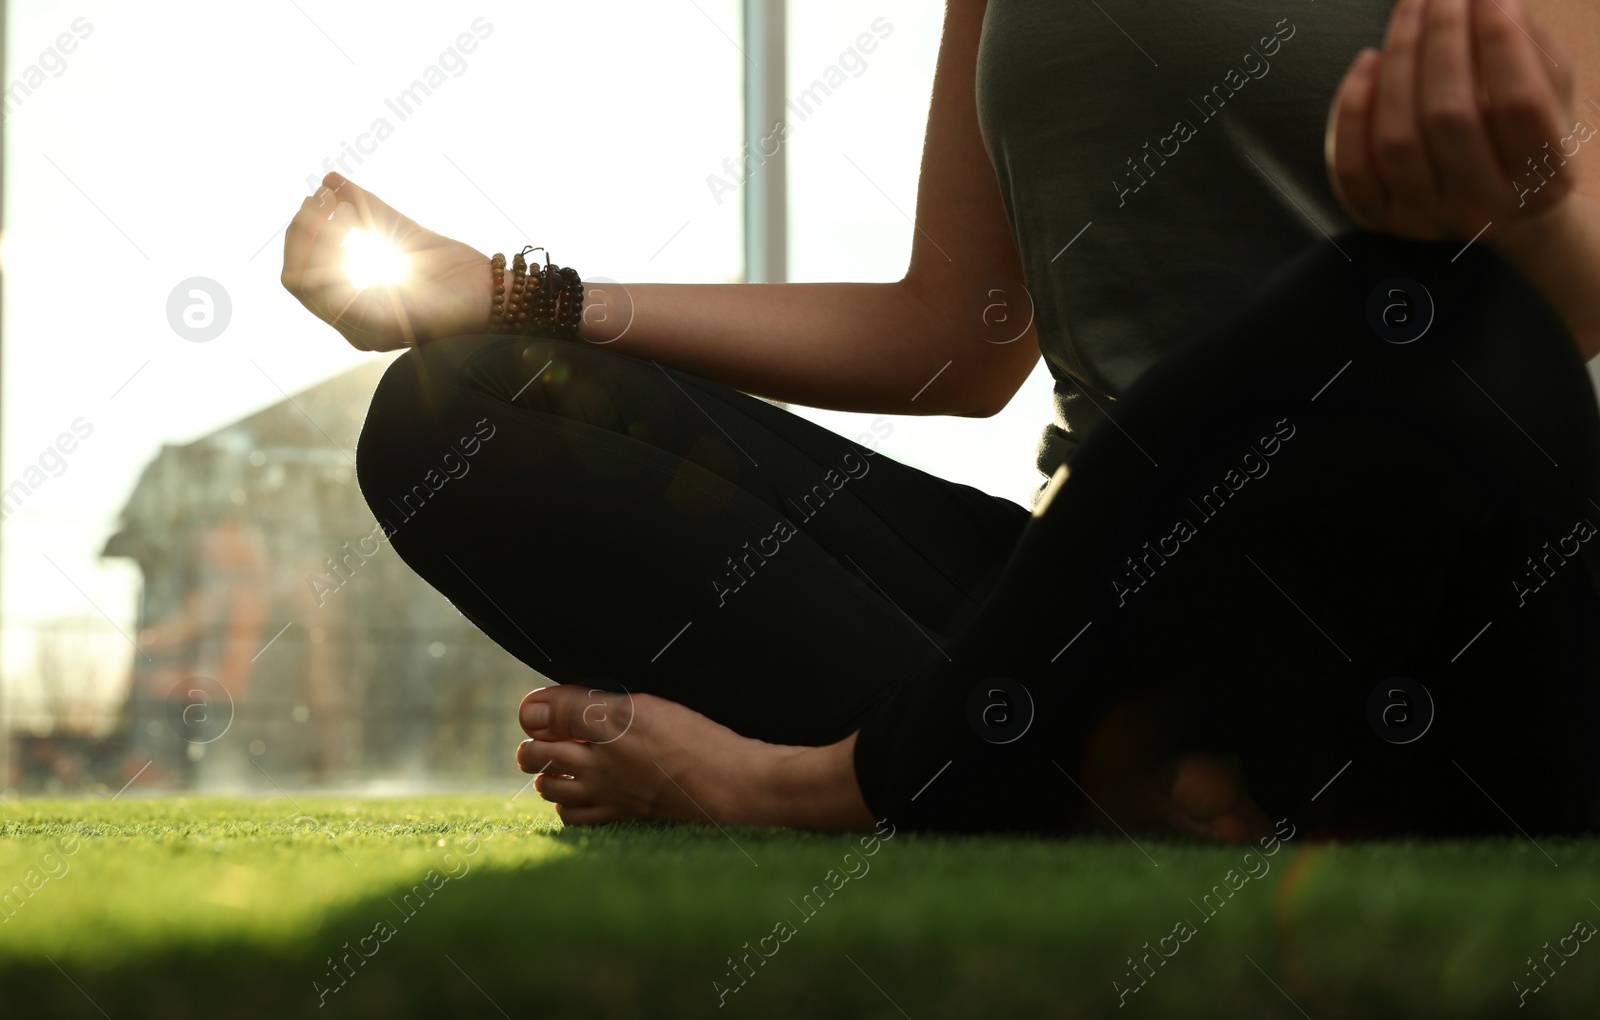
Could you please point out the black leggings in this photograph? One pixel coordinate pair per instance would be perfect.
(1312, 538)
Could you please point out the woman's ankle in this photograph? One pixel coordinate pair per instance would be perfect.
(815, 788)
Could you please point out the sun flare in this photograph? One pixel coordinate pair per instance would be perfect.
(371, 260)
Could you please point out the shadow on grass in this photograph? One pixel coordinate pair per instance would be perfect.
(667, 921)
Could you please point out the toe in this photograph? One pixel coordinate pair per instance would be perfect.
(562, 790)
(575, 712)
(563, 757)
(534, 712)
(585, 815)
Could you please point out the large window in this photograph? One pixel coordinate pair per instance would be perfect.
(179, 487)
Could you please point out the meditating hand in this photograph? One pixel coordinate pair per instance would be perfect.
(1461, 126)
(444, 289)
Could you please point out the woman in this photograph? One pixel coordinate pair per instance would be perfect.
(1268, 566)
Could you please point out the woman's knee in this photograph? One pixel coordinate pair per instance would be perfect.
(418, 405)
(424, 387)
(431, 378)
(431, 393)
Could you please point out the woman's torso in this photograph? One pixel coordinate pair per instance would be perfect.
(1157, 161)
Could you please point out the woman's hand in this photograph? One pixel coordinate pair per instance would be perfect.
(1438, 136)
(446, 290)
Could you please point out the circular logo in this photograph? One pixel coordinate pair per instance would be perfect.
(199, 710)
(1400, 310)
(1000, 710)
(199, 309)
(1400, 710)
(605, 302)
(1002, 310)
(599, 711)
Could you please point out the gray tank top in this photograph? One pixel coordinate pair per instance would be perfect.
(1157, 162)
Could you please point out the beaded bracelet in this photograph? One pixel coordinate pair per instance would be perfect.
(547, 302)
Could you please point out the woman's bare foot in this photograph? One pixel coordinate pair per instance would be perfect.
(603, 757)
(1193, 794)
(1139, 779)
(1209, 800)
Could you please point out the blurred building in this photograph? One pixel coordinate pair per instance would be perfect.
(271, 647)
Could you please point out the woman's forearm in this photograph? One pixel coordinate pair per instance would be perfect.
(1559, 252)
(844, 346)
(952, 337)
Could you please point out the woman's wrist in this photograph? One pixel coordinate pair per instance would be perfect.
(532, 300)
(1520, 237)
(482, 303)
(1558, 251)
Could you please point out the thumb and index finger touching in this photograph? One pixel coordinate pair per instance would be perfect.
(316, 216)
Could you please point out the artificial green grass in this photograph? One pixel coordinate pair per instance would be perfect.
(191, 907)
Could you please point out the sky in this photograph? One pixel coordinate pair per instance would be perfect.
(174, 141)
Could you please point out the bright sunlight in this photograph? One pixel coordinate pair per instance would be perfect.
(371, 260)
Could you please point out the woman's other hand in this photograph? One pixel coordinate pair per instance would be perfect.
(445, 290)
(1464, 121)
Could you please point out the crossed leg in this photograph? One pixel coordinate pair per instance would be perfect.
(758, 601)
(717, 584)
